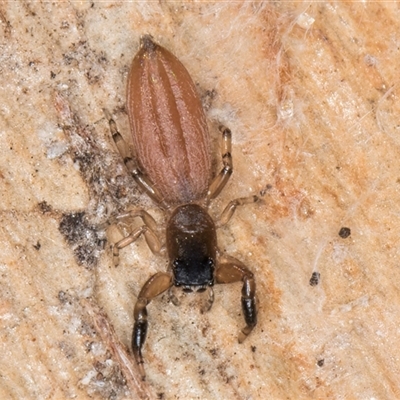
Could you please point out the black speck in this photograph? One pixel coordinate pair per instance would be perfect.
(52, 75)
(37, 246)
(344, 232)
(44, 207)
(253, 349)
(102, 59)
(321, 362)
(315, 277)
(213, 352)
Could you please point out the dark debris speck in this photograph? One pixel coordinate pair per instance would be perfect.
(315, 277)
(344, 232)
(45, 207)
(264, 191)
(82, 237)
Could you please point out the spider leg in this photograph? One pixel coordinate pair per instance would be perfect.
(156, 285)
(233, 270)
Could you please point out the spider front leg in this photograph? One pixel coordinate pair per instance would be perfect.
(148, 229)
(232, 270)
(156, 285)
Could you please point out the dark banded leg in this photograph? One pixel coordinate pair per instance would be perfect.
(222, 178)
(141, 179)
(233, 270)
(231, 207)
(156, 285)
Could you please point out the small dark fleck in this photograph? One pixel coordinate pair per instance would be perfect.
(320, 363)
(213, 352)
(64, 297)
(160, 396)
(265, 190)
(344, 232)
(37, 246)
(253, 349)
(202, 372)
(315, 277)
(44, 207)
(52, 75)
(102, 59)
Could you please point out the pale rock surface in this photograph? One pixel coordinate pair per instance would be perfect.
(311, 93)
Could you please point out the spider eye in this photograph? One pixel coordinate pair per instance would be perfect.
(176, 263)
(210, 262)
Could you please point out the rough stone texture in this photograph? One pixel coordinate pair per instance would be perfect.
(311, 94)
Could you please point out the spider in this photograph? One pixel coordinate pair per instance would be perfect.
(172, 165)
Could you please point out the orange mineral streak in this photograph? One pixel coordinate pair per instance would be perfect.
(168, 125)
